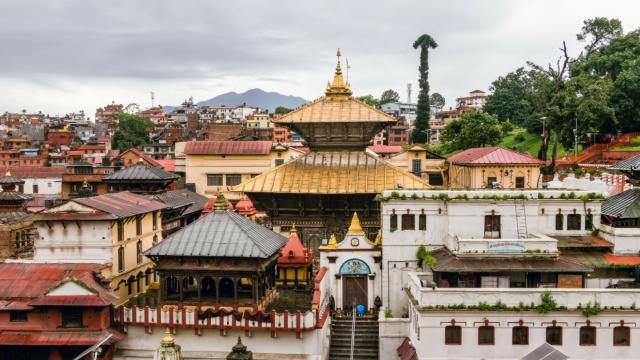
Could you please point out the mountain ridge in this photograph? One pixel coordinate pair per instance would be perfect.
(253, 97)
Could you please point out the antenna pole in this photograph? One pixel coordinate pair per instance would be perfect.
(347, 60)
(152, 99)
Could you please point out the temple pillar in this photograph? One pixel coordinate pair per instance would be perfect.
(163, 294)
(199, 280)
(217, 285)
(180, 286)
(255, 284)
(235, 290)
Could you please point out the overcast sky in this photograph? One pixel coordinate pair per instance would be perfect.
(63, 56)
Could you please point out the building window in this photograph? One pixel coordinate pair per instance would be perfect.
(422, 222)
(139, 251)
(234, 179)
(436, 179)
(587, 335)
(408, 222)
(155, 220)
(573, 222)
(490, 181)
(559, 221)
(121, 259)
(393, 223)
(279, 162)
(486, 335)
(35, 188)
(138, 226)
(452, 335)
(416, 167)
(214, 180)
(621, 336)
(492, 226)
(72, 317)
(18, 316)
(120, 230)
(520, 182)
(520, 335)
(554, 335)
(588, 222)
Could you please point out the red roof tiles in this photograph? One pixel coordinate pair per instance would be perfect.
(28, 172)
(122, 204)
(228, 147)
(492, 155)
(32, 280)
(145, 157)
(58, 338)
(385, 149)
(167, 165)
(293, 253)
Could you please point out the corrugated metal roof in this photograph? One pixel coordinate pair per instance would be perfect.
(14, 196)
(221, 234)
(545, 352)
(141, 171)
(628, 164)
(447, 262)
(96, 215)
(59, 338)
(327, 109)
(624, 205)
(333, 172)
(492, 155)
(122, 204)
(199, 201)
(33, 279)
(173, 200)
(8, 179)
(228, 147)
(385, 149)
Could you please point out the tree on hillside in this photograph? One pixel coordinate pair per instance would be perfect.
(369, 100)
(471, 130)
(423, 113)
(282, 110)
(511, 97)
(133, 109)
(132, 131)
(389, 96)
(438, 101)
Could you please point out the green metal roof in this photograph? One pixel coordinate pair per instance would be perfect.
(625, 205)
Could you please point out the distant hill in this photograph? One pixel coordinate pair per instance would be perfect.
(253, 97)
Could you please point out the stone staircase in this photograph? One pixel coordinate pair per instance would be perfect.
(366, 339)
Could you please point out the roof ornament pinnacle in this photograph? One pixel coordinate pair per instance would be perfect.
(167, 340)
(221, 203)
(355, 225)
(8, 173)
(338, 89)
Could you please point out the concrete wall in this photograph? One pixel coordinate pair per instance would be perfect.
(211, 345)
(392, 332)
(46, 186)
(624, 240)
(476, 177)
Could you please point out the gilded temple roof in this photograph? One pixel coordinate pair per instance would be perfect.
(333, 172)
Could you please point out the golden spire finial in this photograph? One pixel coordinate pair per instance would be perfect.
(378, 241)
(355, 225)
(8, 173)
(167, 340)
(293, 229)
(338, 54)
(338, 89)
(332, 242)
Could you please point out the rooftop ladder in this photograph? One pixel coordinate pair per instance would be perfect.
(521, 218)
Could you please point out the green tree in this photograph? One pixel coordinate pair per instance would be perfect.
(369, 100)
(389, 96)
(506, 127)
(471, 130)
(598, 32)
(282, 110)
(132, 131)
(423, 113)
(511, 97)
(438, 101)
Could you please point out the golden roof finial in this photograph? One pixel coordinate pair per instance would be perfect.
(338, 88)
(332, 242)
(378, 241)
(293, 229)
(8, 173)
(167, 340)
(355, 225)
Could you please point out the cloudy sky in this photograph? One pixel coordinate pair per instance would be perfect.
(64, 56)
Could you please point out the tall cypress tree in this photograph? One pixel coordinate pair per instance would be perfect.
(421, 125)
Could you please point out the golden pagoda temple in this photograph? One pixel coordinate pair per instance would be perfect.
(321, 190)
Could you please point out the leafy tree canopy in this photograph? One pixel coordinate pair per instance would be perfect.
(471, 130)
(281, 110)
(597, 32)
(369, 100)
(389, 96)
(132, 131)
(512, 97)
(423, 111)
(437, 100)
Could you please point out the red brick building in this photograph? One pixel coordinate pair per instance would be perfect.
(61, 138)
(54, 311)
(281, 134)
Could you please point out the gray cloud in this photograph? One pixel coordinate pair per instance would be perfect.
(69, 55)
